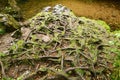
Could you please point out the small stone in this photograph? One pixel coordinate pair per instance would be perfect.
(46, 38)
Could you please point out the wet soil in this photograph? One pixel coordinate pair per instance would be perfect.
(107, 10)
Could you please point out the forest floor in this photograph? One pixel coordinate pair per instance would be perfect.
(107, 11)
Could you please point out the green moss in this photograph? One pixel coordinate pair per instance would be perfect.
(117, 33)
(104, 24)
(97, 22)
(2, 31)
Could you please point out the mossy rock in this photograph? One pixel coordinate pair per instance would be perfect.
(7, 22)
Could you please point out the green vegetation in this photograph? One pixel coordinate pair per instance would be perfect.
(104, 24)
(2, 30)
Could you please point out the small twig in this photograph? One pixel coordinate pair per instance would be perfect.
(2, 68)
(37, 67)
(34, 58)
(85, 56)
(105, 66)
(73, 68)
(94, 72)
(29, 35)
(62, 61)
(55, 45)
(81, 76)
(61, 49)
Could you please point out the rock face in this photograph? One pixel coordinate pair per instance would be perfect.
(77, 47)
